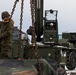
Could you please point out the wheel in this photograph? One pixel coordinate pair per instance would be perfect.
(72, 61)
(70, 67)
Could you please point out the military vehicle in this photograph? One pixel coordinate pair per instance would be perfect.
(46, 58)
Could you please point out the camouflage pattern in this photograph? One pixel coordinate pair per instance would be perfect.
(6, 38)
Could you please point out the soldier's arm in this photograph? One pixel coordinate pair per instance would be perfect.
(8, 30)
(1, 22)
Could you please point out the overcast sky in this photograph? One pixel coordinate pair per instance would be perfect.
(66, 13)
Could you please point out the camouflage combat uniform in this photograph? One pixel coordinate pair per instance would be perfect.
(6, 38)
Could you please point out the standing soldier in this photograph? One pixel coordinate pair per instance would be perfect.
(6, 35)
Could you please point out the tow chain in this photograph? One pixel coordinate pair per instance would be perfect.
(21, 19)
(34, 45)
(21, 16)
(14, 6)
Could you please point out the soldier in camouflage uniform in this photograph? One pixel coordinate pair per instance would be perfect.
(6, 29)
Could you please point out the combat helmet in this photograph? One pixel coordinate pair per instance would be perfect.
(5, 14)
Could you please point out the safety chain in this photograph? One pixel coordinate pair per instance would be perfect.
(21, 19)
(14, 6)
(34, 45)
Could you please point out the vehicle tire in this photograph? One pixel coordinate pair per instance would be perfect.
(72, 61)
(70, 67)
